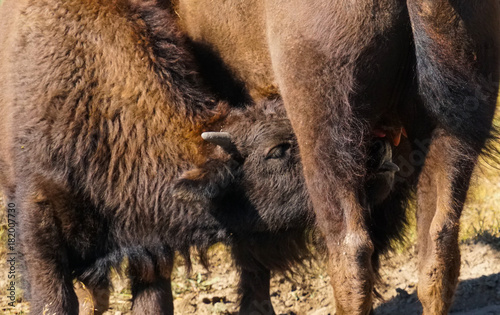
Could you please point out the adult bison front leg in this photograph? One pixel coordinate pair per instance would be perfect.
(457, 50)
(325, 56)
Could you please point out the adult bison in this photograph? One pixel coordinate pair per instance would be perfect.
(348, 68)
(100, 151)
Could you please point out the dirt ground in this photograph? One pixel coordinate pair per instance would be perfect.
(311, 294)
(214, 292)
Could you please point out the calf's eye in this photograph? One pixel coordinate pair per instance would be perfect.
(278, 151)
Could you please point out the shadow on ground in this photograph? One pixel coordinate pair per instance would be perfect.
(480, 296)
(489, 239)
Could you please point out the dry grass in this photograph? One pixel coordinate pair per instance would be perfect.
(481, 217)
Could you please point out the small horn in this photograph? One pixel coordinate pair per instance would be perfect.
(389, 166)
(222, 139)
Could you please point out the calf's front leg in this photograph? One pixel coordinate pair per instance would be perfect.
(150, 276)
(254, 289)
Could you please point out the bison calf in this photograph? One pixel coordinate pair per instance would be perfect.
(100, 149)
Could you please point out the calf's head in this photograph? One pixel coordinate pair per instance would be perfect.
(254, 178)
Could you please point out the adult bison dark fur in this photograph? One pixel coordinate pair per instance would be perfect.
(101, 152)
(345, 68)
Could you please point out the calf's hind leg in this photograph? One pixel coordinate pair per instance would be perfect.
(93, 300)
(46, 258)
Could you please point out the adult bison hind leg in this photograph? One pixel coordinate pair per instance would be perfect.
(441, 194)
(341, 216)
(457, 47)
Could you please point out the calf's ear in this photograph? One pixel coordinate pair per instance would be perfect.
(208, 181)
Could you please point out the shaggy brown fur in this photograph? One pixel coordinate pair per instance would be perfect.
(100, 149)
(344, 68)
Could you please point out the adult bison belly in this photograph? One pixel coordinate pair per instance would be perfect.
(319, 49)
